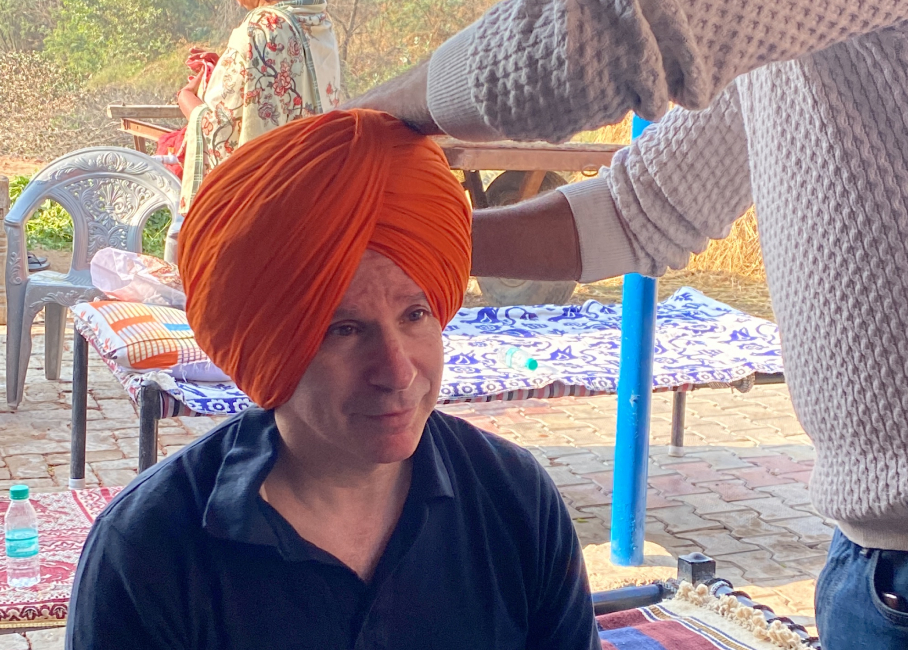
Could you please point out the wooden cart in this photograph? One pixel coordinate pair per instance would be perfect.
(530, 168)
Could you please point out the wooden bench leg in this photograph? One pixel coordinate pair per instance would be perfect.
(140, 143)
(679, 406)
(473, 183)
(149, 414)
(80, 404)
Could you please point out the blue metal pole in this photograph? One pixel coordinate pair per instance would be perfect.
(638, 126)
(635, 388)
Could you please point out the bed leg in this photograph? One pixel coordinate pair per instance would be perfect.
(80, 404)
(149, 414)
(679, 405)
(696, 568)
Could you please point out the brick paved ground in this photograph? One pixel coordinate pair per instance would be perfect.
(739, 495)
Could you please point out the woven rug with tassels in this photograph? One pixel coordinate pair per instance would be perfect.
(695, 620)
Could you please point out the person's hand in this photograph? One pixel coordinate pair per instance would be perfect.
(197, 58)
(194, 82)
(403, 97)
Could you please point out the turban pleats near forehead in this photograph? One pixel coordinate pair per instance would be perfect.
(277, 232)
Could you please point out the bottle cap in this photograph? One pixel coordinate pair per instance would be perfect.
(532, 364)
(18, 492)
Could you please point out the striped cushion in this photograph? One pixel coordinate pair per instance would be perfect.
(137, 336)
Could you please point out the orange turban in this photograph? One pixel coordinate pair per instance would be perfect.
(277, 232)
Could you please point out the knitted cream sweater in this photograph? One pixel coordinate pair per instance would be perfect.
(820, 143)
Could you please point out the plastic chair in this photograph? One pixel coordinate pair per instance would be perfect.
(110, 192)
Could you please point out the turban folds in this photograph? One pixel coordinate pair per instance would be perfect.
(277, 232)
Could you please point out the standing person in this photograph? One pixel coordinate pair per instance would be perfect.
(818, 141)
(280, 64)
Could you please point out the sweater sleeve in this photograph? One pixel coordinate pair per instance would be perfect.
(683, 182)
(546, 69)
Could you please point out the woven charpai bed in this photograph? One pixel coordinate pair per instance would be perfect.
(699, 343)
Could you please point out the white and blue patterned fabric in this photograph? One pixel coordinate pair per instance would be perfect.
(698, 341)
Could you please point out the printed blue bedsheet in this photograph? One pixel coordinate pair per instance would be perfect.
(698, 341)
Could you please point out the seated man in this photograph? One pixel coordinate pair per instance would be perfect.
(345, 512)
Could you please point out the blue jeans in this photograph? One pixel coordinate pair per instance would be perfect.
(850, 613)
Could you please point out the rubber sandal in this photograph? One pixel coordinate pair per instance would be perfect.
(36, 263)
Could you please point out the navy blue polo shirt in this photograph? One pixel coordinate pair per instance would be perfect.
(484, 556)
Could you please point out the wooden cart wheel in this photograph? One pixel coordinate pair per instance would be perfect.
(501, 292)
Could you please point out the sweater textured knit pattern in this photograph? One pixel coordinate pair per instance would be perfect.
(819, 141)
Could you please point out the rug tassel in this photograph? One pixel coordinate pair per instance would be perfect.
(747, 617)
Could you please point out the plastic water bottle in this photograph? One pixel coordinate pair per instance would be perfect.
(20, 527)
(514, 357)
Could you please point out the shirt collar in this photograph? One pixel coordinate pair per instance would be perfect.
(233, 510)
(431, 474)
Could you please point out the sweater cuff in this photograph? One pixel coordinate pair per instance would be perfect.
(605, 250)
(449, 95)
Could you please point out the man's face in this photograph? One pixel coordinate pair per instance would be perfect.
(369, 390)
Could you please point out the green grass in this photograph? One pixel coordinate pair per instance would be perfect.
(155, 232)
(51, 227)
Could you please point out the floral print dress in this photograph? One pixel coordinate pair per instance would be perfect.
(280, 64)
